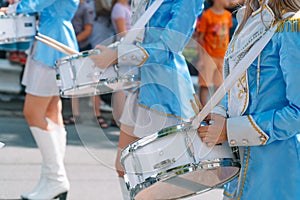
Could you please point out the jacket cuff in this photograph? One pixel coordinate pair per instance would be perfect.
(131, 55)
(243, 131)
(219, 110)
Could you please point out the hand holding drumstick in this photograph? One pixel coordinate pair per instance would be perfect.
(215, 132)
(106, 58)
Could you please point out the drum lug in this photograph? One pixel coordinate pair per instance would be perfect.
(164, 163)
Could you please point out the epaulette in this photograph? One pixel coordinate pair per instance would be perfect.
(291, 24)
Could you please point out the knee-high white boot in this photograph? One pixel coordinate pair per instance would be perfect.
(55, 183)
(61, 137)
(125, 192)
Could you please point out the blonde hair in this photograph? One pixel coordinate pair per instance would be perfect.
(279, 7)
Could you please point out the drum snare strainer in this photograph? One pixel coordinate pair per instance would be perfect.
(175, 163)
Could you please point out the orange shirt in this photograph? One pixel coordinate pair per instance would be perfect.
(216, 32)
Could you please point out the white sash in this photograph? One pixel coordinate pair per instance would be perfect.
(233, 77)
(130, 37)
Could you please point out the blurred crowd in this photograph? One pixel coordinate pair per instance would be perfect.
(106, 21)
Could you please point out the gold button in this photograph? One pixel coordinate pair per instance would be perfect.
(262, 138)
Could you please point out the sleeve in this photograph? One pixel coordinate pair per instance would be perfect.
(118, 12)
(221, 108)
(277, 124)
(30, 6)
(182, 21)
(88, 16)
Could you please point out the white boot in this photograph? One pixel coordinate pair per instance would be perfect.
(61, 136)
(38, 186)
(62, 144)
(1, 145)
(56, 183)
(125, 192)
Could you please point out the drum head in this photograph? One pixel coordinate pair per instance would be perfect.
(185, 182)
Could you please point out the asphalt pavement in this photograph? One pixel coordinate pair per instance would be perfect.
(89, 159)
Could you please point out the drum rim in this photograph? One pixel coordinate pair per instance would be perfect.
(133, 78)
(13, 15)
(180, 170)
(14, 40)
(185, 126)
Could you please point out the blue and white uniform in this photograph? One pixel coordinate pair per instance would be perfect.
(55, 22)
(263, 110)
(166, 87)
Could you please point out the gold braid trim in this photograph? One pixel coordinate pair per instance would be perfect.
(291, 24)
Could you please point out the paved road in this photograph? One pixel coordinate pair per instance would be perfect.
(89, 158)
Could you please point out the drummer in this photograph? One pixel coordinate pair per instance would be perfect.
(261, 112)
(43, 107)
(163, 98)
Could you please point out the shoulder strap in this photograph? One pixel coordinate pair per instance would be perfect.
(234, 75)
(141, 22)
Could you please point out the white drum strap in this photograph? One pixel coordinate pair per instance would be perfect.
(141, 22)
(231, 79)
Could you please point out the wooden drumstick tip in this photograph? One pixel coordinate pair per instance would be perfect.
(198, 101)
(196, 110)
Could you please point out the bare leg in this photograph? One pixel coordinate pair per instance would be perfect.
(75, 106)
(126, 137)
(37, 108)
(118, 103)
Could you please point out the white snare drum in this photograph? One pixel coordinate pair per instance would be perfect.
(78, 76)
(174, 163)
(17, 28)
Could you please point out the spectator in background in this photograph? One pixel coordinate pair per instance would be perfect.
(16, 51)
(121, 17)
(83, 26)
(102, 34)
(102, 27)
(213, 35)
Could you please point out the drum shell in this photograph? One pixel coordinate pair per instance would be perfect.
(17, 28)
(78, 76)
(172, 150)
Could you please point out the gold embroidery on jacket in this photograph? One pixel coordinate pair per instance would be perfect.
(244, 174)
(288, 25)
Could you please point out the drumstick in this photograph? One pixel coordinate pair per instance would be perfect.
(198, 101)
(52, 45)
(68, 49)
(196, 110)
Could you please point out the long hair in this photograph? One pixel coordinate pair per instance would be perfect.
(113, 2)
(102, 9)
(279, 7)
